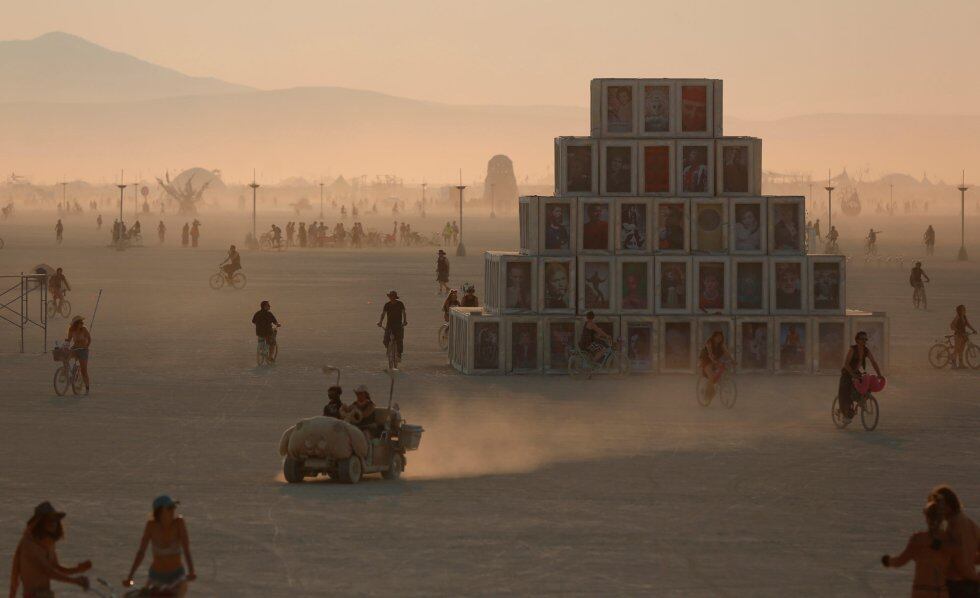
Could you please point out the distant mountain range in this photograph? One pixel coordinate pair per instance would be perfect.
(71, 107)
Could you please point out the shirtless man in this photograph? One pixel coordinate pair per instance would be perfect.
(36, 560)
(964, 535)
(57, 285)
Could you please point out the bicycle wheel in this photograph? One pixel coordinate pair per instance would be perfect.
(916, 298)
(727, 391)
(444, 337)
(869, 413)
(61, 381)
(972, 355)
(238, 280)
(577, 368)
(273, 353)
(77, 383)
(217, 281)
(392, 352)
(939, 356)
(702, 391)
(64, 310)
(835, 413)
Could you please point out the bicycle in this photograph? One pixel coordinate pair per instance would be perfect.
(69, 372)
(613, 360)
(919, 297)
(149, 590)
(221, 278)
(444, 336)
(391, 350)
(941, 354)
(60, 307)
(866, 403)
(725, 388)
(265, 353)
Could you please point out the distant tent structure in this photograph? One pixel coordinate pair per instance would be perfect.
(340, 188)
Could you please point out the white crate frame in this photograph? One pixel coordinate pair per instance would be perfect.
(724, 225)
(815, 324)
(774, 308)
(856, 323)
(539, 347)
(841, 261)
(641, 163)
(583, 204)
(543, 285)
(725, 286)
(753, 147)
(662, 345)
(762, 204)
(572, 204)
(458, 350)
(709, 145)
(711, 128)
(764, 290)
(648, 262)
(529, 213)
(546, 332)
(604, 131)
(649, 220)
(613, 284)
(774, 202)
(658, 303)
(739, 352)
(653, 323)
(561, 165)
(497, 288)
(807, 342)
(686, 227)
(673, 107)
(604, 146)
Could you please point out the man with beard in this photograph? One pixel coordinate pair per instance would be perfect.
(556, 286)
(36, 560)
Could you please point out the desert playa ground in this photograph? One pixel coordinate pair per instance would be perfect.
(522, 485)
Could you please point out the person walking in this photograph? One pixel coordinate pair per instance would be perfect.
(442, 272)
(162, 231)
(59, 231)
(195, 232)
(962, 580)
(185, 235)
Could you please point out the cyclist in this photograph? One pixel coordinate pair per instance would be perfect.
(854, 366)
(469, 297)
(234, 261)
(264, 322)
(959, 325)
(929, 238)
(36, 558)
(710, 360)
(397, 319)
(916, 280)
(57, 286)
(594, 341)
(442, 272)
(80, 339)
(166, 536)
(452, 300)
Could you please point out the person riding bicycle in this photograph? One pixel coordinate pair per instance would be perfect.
(264, 322)
(916, 280)
(397, 319)
(469, 297)
(80, 340)
(57, 285)
(855, 364)
(234, 261)
(594, 341)
(165, 534)
(929, 239)
(452, 300)
(959, 325)
(710, 360)
(35, 563)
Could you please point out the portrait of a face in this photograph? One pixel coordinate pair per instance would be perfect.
(748, 230)
(561, 338)
(639, 345)
(656, 169)
(792, 344)
(788, 285)
(755, 345)
(556, 235)
(597, 285)
(710, 228)
(619, 109)
(656, 108)
(578, 168)
(595, 231)
(677, 345)
(826, 285)
(673, 285)
(735, 169)
(633, 226)
(524, 345)
(694, 108)
(787, 235)
(749, 283)
(830, 345)
(518, 288)
(694, 173)
(557, 285)
(634, 286)
(711, 286)
(619, 169)
(671, 235)
(486, 338)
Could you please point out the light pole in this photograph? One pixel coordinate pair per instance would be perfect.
(830, 203)
(962, 255)
(492, 213)
(460, 249)
(423, 199)
(321, 198)
(254, 186)
(136, 199)
(64, 196)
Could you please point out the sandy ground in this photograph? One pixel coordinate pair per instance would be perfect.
(522, 485)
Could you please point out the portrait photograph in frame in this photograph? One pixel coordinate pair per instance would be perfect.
(634, 226)
(559, 341)
(696, 167)
(792, 336)
(656, 167)
(641, 335)
(597, 284)
(657, 107)
(786, 226)
(750, 286)
(711, 279)
(749, 232)
(519, 284)
(636, 285)
(829, 343)
(753, 344)
(619, 107)
(557, 222)
(672, 218)
(710, 226)
(738, 166)
(557, 285)
(787, 285)
(673, 285)
(617, 168)
(711, 324)
(577, 166)
(524, 345)
(696, 110)
(487, 345)
(827, 284)
(596, 226)
(677, 345)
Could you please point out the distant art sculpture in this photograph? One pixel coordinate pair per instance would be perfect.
(186, 196)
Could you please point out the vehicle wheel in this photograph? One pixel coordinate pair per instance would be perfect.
(77, 382)
(349, 470)
(395, 467)
(837, 416)
(939, 356)
(61, 381)
(64, 310)
(217, 281)
(292, 470)
(577, 367)
(869, 413)
(620, 365)
(444, 337)
(972, 356)
(238, 280)
(728, 391)
(703, 399)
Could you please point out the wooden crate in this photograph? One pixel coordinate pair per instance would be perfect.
(830, 343)
(476, 343)
(753, 344)
(556, 285)
(787, 286)
(786, 225)
(695, 167)
(711, 281)
(597, 284)
(525, 344)
(826, 275)
(749, 286)
(792, 339)
(595, 234)
(634, 229)
(636, 285)
(673, 288)
(510, 282)
(642, 337)
(738, 166)
(709, 226)
(656, 163)
(576, 166)
(672, 221)
(749, 233)
(677, 345)
(617, 168)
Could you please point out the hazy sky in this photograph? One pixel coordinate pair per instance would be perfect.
(778, 58)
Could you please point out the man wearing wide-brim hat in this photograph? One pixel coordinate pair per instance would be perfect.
(442, 272)
(36, 561)
(397, 318)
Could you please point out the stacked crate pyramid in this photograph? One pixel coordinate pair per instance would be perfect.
(659, 227)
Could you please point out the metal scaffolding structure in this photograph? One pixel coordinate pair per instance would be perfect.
(15, 303)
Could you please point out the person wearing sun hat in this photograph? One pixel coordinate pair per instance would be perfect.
(80, 339)
(397, 317)
(36, 561)
(166, 535)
